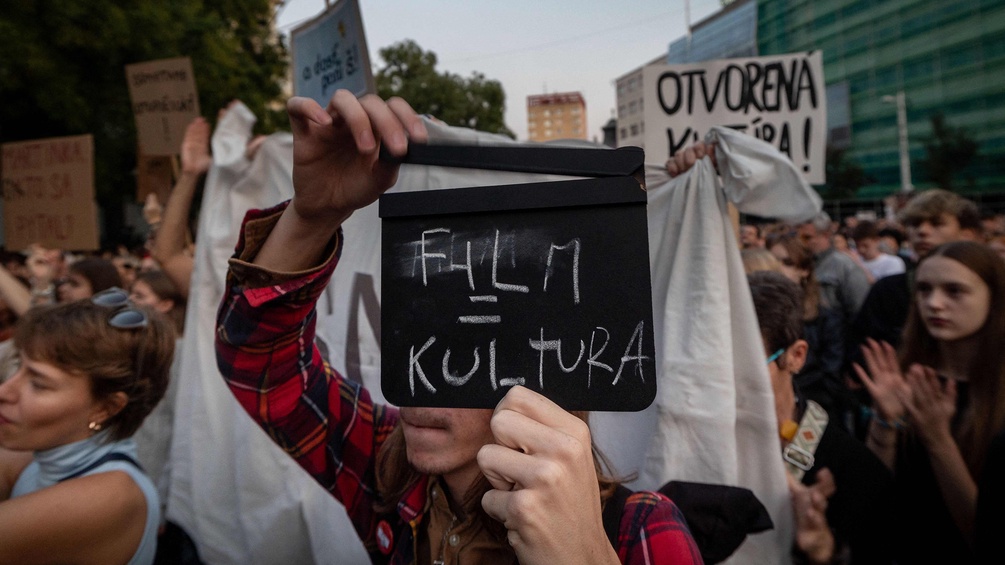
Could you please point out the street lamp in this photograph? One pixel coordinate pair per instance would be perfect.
(905, 157)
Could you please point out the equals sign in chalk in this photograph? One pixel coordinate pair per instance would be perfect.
(481, 319)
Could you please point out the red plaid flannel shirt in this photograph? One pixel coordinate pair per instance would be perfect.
(266, 353)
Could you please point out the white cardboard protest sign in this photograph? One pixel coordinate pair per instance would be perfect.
(48, 193)
(164, 100)
(330, 53)
(778, 98)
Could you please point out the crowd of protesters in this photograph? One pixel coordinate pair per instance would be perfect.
(919, 379)
(882, 337)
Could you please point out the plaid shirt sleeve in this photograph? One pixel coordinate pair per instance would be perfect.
(266, 354)
(653, 531)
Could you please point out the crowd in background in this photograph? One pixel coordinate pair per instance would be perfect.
(857, 315)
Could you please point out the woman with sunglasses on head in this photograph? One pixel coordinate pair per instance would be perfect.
(70, 490)
(938, 406)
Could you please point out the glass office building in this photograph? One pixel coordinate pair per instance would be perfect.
(730, 32)
(946, 56)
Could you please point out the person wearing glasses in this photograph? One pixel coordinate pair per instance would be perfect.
(70, 489)
(840, 491)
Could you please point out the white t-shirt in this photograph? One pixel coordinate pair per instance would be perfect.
(884, 265)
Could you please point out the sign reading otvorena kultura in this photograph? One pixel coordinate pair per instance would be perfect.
(48, 193)
(329, 53)
(779, 99)
(165, 100)
(543, 285)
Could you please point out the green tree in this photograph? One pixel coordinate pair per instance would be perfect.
(844, 175)
(63, 73)
(948, 150)
(475, 102)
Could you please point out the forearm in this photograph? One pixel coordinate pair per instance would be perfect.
(171, 235)
(959, 490)
(266, 324)
(295, 244)
(266, 353)
(17, 297)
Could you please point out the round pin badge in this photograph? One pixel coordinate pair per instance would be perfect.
(385, 537)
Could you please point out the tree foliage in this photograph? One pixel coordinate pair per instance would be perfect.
(475, 102)
(63, 72)
(948, 150)
(844, 175)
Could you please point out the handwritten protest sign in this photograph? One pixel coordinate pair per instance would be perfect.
(48, 193)
(164, 100)
(779, 99)
(330, 53)
(543, 285)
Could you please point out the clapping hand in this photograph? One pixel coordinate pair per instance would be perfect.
(884, 380)
(931, 405)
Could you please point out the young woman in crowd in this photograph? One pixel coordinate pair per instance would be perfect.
(154, 289)
(820, 378)
(70, 490)
(87, 277)
(940, 404)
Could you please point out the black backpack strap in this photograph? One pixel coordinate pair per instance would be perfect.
(110, 456)
(613, 509)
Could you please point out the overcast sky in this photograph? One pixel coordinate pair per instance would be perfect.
(530, 46)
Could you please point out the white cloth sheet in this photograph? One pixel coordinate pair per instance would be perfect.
(246, 502)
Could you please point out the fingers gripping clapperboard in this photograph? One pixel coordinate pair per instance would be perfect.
(544, 285)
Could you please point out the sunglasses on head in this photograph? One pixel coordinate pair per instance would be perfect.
(125, 315)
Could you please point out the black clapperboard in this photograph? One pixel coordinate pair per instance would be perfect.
(544, 285)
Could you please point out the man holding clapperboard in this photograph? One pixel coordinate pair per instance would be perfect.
(422, 485)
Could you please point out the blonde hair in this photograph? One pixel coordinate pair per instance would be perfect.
(755, 260)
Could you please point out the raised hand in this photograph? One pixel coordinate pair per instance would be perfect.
(336, 169)
(931, 405)
(884, 380)
(545, 482)
(41, 264)
(684, 160)
(195, 156)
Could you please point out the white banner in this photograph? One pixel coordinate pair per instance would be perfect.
(330, 53)
(779, 99)
(246, 502)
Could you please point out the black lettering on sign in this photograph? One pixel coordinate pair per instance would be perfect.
(751, 88)
(542, 285)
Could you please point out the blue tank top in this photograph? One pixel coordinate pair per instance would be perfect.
(67, 461)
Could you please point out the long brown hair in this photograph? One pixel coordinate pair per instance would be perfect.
(985, 412)
(395, 476)
(801, 258)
